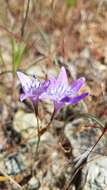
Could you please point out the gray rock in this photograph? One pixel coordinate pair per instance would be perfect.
(97, 175)
(14, 164)
(95, 172)
(34, 184)
(26, 124)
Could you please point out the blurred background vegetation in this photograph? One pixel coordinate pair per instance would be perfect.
(38, 37)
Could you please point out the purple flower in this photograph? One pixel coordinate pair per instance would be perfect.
(32, 87)
(61, 93)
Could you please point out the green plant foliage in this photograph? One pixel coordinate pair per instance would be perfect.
(91, 117)
(71, 2)
(18, 50)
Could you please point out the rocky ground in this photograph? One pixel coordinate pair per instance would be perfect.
(54, 35)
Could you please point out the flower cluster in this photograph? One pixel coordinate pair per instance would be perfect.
(57, 89)
(32, 87)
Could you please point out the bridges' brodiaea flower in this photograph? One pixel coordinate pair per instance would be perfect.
(61, 93)
(32, 87)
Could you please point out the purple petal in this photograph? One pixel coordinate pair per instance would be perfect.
(23, 97)
(75, 99)
(34, 99)
(44, 96)
(58, 106)
(43, 90)
(45, 85)
(24, 79)
(62, 78)
(77, 84)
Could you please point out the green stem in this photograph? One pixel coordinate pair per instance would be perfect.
(38, 141)
(51, 119)
(38, 127)
(102, 134)
(41, 132)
